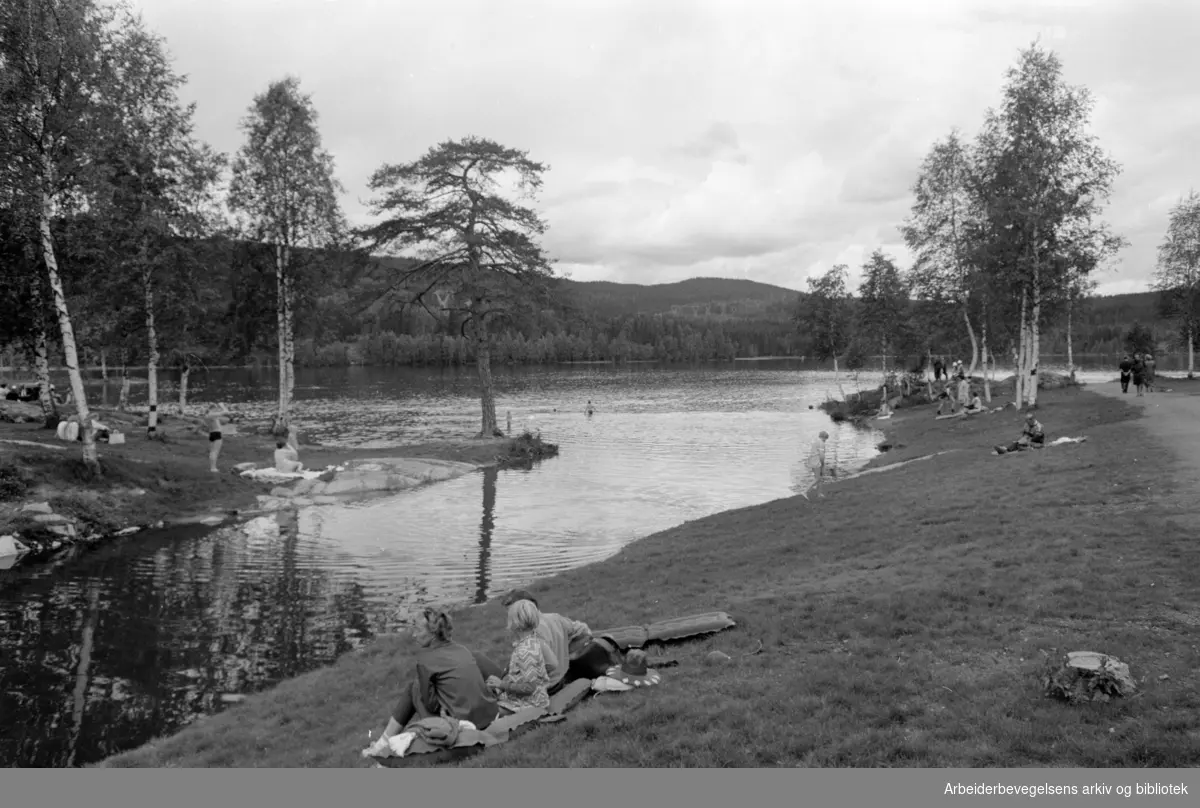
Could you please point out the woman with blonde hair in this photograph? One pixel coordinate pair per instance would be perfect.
(449, 679)
(525, 684)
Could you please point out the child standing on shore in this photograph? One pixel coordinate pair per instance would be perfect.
(816, 462)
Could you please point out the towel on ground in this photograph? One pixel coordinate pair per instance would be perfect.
(271, 475)
(430, 735)
(1059, 441)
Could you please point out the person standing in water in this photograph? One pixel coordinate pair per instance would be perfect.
(816, 461)
(590, 408)
(214, 423)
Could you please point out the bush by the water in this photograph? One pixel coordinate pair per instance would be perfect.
(15, 480)
(528, 447)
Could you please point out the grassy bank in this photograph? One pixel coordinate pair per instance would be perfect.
(147, 481)
(903, 620)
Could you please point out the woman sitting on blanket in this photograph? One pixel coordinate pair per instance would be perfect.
(525, 684)
(975, 407)
(449, 680)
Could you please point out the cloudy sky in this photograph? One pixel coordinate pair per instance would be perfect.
(740, 138)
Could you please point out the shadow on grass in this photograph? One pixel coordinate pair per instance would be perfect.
(905, 620)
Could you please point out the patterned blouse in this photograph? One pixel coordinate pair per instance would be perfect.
(527, 666)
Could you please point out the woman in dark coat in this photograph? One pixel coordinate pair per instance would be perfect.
(450, 680)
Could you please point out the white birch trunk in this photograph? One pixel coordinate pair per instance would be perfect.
(974, 344)
(103, 365)
(1070, 340)
(91, 457)
(1035, 336)
(123, 398)
(152, 361)
(985, 351)
(283, 312)
(183, 389)
(41, 364)
(1191, 355)
(1019, 391)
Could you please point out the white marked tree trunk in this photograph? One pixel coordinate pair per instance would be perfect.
(1070, 340)
(152, 346)
(41, 364)
(1035, 341)
(123, 399)
(183, 388)
(91, 458)
(985, 352)
(1019, 391)
(974, 344)
(1191, 340)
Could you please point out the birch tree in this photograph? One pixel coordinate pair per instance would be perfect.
(55, 63)
(938, 232)
(825, 316)
(883, 303)
(284, 186)
(1044, 180)
(1177, 276)
(480, 261)
(163, 188)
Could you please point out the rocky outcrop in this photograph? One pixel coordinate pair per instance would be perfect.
(377, 475)
(47, 531)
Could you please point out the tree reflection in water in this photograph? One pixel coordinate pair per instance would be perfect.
(486, 525)
(131, 643)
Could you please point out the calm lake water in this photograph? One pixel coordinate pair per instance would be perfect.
(141, 636)
(136, 639)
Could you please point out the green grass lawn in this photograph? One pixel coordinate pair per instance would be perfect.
(904, 620)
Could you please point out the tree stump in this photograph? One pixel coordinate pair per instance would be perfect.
(1089, 676)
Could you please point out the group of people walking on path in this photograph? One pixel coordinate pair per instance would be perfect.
(1138, 368)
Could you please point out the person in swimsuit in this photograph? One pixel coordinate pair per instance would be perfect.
(213, 421)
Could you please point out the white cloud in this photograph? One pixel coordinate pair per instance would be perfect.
(687, 137)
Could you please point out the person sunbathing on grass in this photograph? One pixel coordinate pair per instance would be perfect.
(449, 681)
(1033, 436)
(525, 683)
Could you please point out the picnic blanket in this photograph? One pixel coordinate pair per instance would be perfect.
(272, 475)
(428, 735)
(1060, 441)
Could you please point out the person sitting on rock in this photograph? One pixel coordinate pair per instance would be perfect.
(572, 651)
(287, 461)
(524, 684)
(1033, 436)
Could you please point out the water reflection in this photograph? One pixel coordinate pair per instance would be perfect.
(142, 636)
(486, 525)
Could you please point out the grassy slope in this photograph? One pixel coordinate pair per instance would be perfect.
(904, 621)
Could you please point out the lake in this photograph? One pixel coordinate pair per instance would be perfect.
(146, 633)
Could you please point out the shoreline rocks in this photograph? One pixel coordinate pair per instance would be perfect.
(362, 478)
